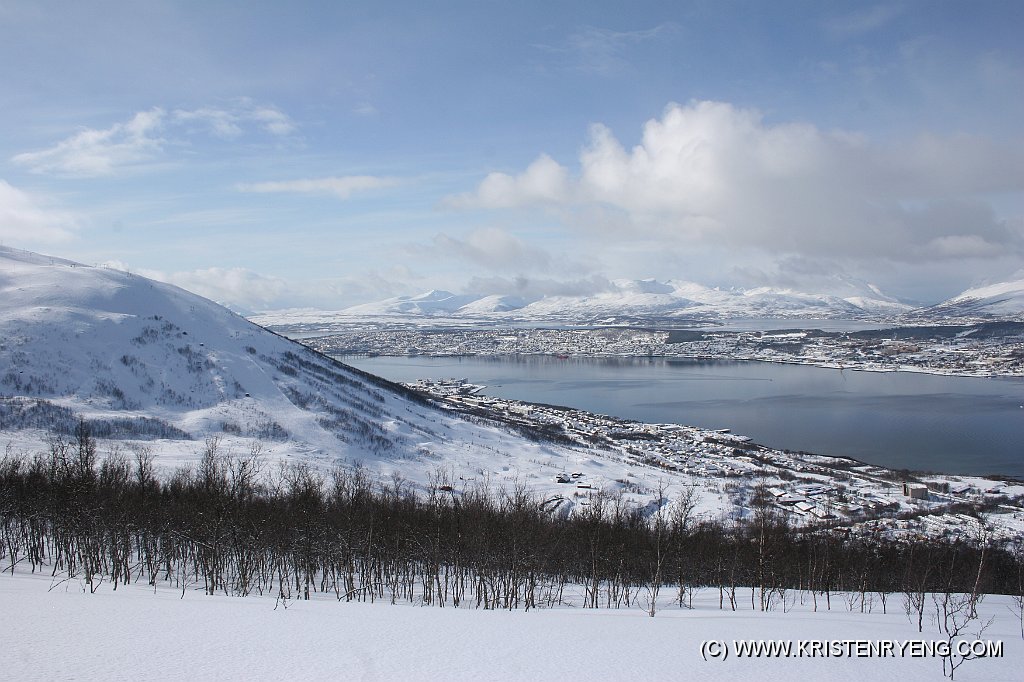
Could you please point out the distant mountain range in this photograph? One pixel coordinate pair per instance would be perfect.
(624, 300)
(646, 298)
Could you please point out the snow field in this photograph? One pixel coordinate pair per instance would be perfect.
(136, 633)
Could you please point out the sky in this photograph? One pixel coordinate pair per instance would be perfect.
(325, 154)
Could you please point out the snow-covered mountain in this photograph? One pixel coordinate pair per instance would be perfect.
(433, 302)
(647, 298)
(495, 303)
(681, 298)
(1004, 299)
(146, 361)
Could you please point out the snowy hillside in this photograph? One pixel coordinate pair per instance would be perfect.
(148, 363)
(1005, 299)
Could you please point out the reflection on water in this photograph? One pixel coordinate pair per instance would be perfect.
(895, 419)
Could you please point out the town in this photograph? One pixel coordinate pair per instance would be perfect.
(734, 475)
(981, 349)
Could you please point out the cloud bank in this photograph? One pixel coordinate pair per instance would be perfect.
(246, 290)
(711, 174)
(234, 286)
(491, 248)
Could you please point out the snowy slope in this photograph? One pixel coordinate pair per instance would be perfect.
(430, 303)
(1003, 299)
(154, 362)
(191, 636)
(494, 303)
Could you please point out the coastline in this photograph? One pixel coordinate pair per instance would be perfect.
(865, 367)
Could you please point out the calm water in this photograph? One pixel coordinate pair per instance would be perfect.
(773, 323)
(900, 420)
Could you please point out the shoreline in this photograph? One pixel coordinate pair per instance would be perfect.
(910, 369)
(923, 468)
(499, 409)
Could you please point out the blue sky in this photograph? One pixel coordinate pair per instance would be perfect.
(325, 154)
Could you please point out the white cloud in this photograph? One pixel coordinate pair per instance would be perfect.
(93, 152)
(544, 181)
(97, 152)
(494, 249)
(238, 286)
(342, 187)
(221, 123)
(273, 121)
(247, 290)
(25, 219)
(229, 122)
(710, 173)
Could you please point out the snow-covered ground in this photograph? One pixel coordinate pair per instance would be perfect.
(61, 631)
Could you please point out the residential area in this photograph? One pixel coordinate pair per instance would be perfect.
(736, 475)
(984, 349)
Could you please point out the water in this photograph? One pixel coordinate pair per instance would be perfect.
(747, 324)
(965, 425)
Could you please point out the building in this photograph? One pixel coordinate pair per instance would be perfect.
(916, 491)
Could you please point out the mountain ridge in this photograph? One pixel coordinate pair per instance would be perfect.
(650, 298)
(627, 298)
